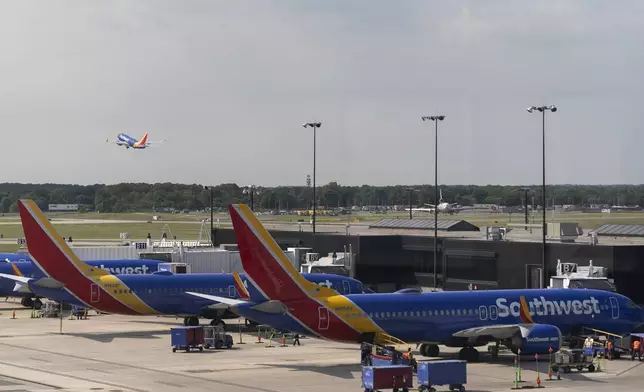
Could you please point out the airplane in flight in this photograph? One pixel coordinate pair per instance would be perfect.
(160, 294)
(443, 207)
(27, 269)
(130, 142)
(530, 320)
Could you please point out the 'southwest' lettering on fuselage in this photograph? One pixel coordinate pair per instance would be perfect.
(543, 307)
(126, 270)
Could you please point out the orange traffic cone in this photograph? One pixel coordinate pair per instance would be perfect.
(14, 314)
(259, 338)
(283, 341)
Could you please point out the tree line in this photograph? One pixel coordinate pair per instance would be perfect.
(132, 197)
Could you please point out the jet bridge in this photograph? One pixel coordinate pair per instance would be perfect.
(574, 276)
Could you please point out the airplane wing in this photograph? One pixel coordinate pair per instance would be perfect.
(157, 142)
(223, 302)
(496, 331)
(19, 279)
(274, 307)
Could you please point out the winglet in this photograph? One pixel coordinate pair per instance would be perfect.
(47, 248)
(266, 265)
(241, 289)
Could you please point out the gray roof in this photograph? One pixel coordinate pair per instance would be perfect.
(424, 224)
(620, 230)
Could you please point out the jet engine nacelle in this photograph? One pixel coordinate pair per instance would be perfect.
(539, 341)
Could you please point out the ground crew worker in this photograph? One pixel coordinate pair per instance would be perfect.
(609, 350)
(296, 339)
(636, 350)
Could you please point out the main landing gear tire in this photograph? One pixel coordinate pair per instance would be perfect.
(469, 354)
(218, 323)
(37, 304)
(191, 321)
(429, 350)
(27, 302)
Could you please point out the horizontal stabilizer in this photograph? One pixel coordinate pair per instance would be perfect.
(49, 283)
(224, 302)
(275, 307)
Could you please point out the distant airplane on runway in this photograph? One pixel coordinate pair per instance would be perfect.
(130, 142)
(443, 207)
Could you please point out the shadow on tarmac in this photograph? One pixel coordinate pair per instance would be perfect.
(110, 336)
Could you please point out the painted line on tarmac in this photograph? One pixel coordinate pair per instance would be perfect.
(93, 381)
(629, 369)
(130, 366)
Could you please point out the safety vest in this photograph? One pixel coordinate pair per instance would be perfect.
(609, 345)
(636, 344)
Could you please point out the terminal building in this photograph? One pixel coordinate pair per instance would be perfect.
(394, 254)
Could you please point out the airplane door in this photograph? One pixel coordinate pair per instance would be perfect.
(94, 293)
(231, 291)
(346, 286)
(323, 318)
(483, 312)
(615, 306)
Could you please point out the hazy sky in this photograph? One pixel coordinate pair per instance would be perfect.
(231, 82)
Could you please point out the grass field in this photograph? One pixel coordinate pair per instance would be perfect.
(9, 248)
(183, 231)
(10, 225)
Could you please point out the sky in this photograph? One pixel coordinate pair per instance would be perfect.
(230, 83)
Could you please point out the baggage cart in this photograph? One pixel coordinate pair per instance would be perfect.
(215, 336)
(579, 359)
(452, 373)
(186, 338)
(396, 359)
(396, 378)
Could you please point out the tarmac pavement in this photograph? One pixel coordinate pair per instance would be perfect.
(124, 353)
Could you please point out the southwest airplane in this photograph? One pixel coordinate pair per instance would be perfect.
(130, 142)
(9, 287)
(160, 294)
(530, 320)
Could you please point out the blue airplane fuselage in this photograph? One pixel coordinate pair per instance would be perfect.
(166, 293)
(130, 141)
(435, 317)
(31, 270)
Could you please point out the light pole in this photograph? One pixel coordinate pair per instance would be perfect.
(212, 215)
(250, 190)
(543, 110)
(436, 119)
(315, 126)
(411, 195)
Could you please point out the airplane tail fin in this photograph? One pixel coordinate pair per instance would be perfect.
(266, 265)
(241, 289)
(49, 251)
(143, 139)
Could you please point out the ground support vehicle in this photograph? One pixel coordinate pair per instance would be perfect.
(187, 338)
(452, 373)
(397, 378)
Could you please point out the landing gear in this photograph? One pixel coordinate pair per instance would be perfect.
(218, 323)
(469, 354)
(27, 302)
(37, 304)
(429, 350)
(191, 321)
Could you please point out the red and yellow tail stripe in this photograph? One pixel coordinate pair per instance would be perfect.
(321, 310)
(91, 285)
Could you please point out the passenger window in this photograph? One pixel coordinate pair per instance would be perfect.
(483, 313)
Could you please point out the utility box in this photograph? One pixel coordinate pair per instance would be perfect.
(564, 231)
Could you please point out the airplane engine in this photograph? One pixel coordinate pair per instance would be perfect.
(540, 339)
